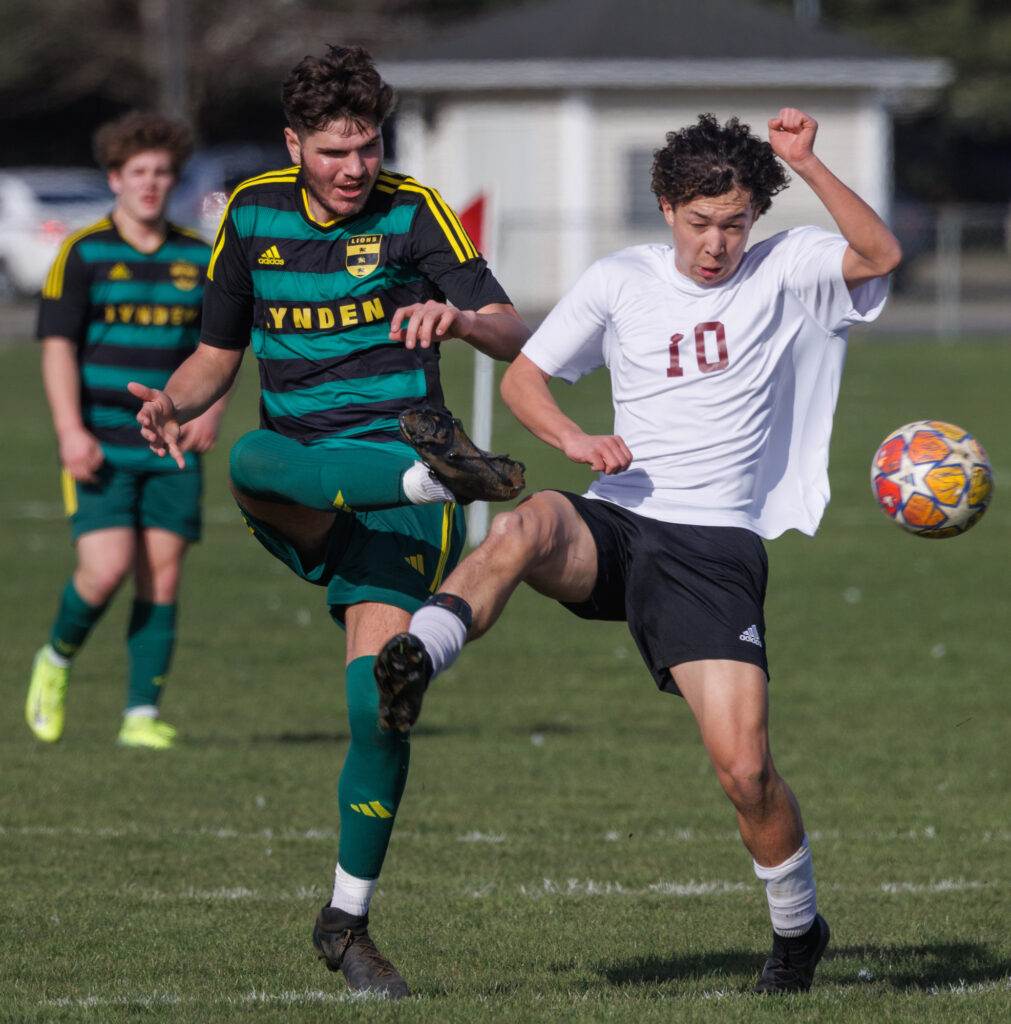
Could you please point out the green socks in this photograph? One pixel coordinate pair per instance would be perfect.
(150, 641)
(266, 465)
(373, 778)
(74, 621)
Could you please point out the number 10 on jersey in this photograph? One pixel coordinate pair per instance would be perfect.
(713, 330)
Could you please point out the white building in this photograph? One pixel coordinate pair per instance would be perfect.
(556, 107)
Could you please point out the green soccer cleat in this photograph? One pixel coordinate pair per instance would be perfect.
(46, 707)
(142, 731)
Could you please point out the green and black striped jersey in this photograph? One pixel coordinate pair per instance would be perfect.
(133, 316)
(315, 301)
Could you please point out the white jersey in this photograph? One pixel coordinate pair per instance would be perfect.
(723, 394)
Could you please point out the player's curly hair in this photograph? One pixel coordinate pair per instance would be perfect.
(341, 85)
(709, 159)
(140, 130)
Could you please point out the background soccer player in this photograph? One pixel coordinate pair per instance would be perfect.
(123, 293)
(339, 271)
(725, 366)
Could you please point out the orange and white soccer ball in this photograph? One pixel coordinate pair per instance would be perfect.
(932, 478)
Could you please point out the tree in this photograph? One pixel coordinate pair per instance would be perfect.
(960, 149)
(66, 65)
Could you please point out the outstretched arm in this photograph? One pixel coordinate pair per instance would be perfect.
(495, 329)
(196, 385)
(525, 390)
(873, 250)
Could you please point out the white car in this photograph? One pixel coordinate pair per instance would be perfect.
(39, 207)
(210, 176)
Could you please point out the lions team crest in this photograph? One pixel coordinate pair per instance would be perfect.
(363, 254)
(185, 275)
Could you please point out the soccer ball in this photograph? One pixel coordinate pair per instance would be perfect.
(932, 478)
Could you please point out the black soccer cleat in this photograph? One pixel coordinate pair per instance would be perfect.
(402, 670)
(343, 941)
(468, 472)
(791, 964)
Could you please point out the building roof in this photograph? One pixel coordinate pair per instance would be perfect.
(648, 43)
(635, 29)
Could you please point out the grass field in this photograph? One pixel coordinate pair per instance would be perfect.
(564, 852)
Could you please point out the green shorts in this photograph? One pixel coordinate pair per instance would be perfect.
(398, 556)
(140, 500)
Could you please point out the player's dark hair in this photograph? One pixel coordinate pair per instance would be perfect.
(709, 159)
(342, 85)
(138, 131)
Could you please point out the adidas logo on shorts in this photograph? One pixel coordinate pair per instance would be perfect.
(750, 636)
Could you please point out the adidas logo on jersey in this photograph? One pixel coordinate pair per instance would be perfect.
(271, 257)
(120, 272)
(750, 636)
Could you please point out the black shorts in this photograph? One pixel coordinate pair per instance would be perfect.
(688, 593)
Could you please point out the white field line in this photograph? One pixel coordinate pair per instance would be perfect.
(309, 997)
(286, 998)
(962, 989)
(947, 885)
(482, 837)
(78, 832)
(224, 894)
(927, 834)
(549, 887)
(589, 887)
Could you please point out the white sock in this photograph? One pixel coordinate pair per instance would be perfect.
(422, 488)
(790, 890)
(57, 659)
(442, 633)
(351, 894)
(141, 711)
